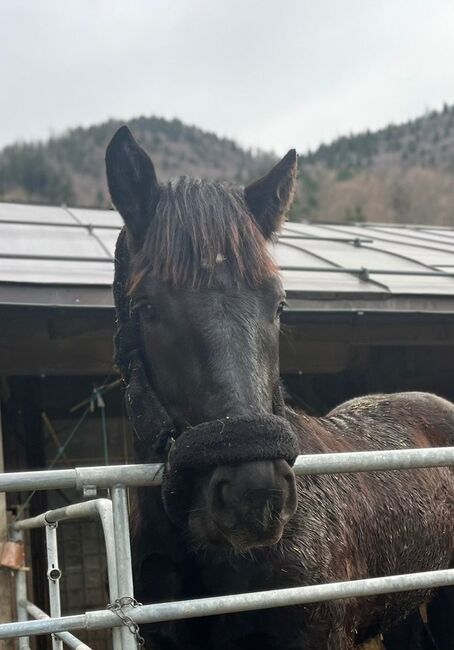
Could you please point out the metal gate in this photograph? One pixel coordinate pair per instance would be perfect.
(124, 614)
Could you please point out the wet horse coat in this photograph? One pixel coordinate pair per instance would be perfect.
(204, 347)
(346, 527)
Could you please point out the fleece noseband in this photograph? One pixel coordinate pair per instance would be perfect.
(159, 437)
(222, 442)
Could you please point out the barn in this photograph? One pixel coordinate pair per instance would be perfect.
(370, 308)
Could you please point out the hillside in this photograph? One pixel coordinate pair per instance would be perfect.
(70, 168)
(402, 173)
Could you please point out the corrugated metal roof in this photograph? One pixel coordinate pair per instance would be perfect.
(73, 247)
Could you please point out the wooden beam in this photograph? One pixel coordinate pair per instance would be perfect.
(56, 342)
(38, 341)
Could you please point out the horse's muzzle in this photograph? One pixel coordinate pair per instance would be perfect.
(250, 503)
(230, 481)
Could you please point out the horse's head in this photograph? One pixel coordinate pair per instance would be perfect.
(209, 297)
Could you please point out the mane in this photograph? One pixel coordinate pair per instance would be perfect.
(197, 226)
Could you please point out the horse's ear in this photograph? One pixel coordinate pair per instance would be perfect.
(132, 182)
(270, 197)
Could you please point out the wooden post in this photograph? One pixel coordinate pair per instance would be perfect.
(6, 595)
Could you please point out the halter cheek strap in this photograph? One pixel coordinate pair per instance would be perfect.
(152, 424)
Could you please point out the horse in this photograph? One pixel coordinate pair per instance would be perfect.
(200, 278)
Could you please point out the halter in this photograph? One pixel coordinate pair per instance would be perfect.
(160, 436)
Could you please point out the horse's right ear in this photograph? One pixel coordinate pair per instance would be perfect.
(132, 182)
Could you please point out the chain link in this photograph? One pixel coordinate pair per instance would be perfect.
(117, 607)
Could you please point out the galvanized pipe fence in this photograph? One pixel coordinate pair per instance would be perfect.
(124, 614)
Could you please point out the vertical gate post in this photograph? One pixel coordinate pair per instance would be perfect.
(5, 582)
(123, 555)
(21, 595)
(53, 577)
(107, 522)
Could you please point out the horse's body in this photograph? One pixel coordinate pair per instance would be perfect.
(198, 301)
(347, 527)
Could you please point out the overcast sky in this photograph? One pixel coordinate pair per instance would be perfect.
(272, 74)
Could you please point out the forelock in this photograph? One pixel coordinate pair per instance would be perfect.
(197, 226)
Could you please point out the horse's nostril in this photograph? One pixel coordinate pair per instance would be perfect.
(221, 494)
(221, 506)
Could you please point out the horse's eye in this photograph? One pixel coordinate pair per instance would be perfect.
(280, 308)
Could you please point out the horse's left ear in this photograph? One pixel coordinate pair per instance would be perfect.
(132, 182)
(270, 197)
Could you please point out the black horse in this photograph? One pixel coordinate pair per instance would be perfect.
(207, 297)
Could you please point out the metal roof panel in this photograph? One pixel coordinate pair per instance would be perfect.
(91, 217)
(21, 212)
(23, 239)
(59, 246)
(56, 273)
(333, 283)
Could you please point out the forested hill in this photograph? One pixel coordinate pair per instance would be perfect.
(70, 168)
(402, 173)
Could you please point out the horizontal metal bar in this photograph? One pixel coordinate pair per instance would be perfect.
(80, 477)
(151, 474)
(53, 258)
(59, 224)
(344, 240)
(102, 619)
(67, 638)
(93, 508)
(37, 480)
(363, 271)
(368, 461)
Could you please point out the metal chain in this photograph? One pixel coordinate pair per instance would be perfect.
(117, 607)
